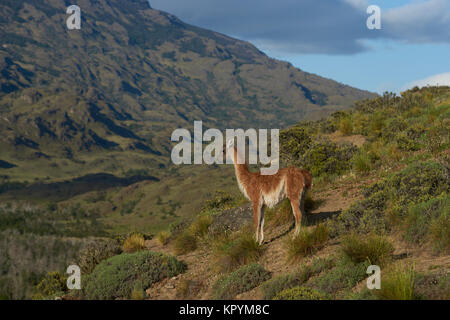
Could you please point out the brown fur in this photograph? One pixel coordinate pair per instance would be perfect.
(267, 190)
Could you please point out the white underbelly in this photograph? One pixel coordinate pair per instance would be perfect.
(271, 199)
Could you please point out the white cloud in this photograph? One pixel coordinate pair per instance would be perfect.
(311, 26)
(419, 22)
(442, 79)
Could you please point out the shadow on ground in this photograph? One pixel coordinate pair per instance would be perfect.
(316, 218)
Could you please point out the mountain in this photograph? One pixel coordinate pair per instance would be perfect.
(108, 96)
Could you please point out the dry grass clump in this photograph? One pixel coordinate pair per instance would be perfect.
(373, 248)
(134, 243)
(398, 284)
(234, 250)
(163, 237)
(307, 242)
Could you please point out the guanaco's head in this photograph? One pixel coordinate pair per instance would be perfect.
(228, 150)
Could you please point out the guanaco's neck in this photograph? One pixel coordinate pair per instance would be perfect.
(240, 169)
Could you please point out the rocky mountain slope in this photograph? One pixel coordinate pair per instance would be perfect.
(108, 96)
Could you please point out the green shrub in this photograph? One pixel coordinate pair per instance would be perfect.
(118, 276)
(328, 158)
(377, 123)
(440, 233)
(53, 284)
(235, 250)
(362, 163)
(320, 156)
(346, 126)
(239, 281)
(363, 294)
(345, 275)
(301, 293)
(406, 144)
(319, 265)
(430, 221)
(397, 284)
(277, 284)
(221, 200)
(133, 243)
(375, 249)
(419, 182)
(294, 143)
(185, 242)
(96, 252)
(307, 242)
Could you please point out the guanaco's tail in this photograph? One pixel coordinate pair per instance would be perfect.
(308, 178)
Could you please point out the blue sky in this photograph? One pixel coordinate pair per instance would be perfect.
(330, 37)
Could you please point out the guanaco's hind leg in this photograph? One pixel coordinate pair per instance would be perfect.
(261, 224)
(298, 209)
(297, 215)
(257, 218)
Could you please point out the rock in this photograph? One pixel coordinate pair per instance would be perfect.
(231, 219)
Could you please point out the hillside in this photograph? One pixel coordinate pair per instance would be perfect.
(105, 99)
(380, 196)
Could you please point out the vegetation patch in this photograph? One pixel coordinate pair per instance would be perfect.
(375, 249)
(94, 253)
(200, 226)
(307, 242)
(234, 250)
(345, 275)
(51, 286)
(185, 242)
(116, 277)
(163, 237)
(133, 243)
(419, 182)
(277, 284)
(432, 286)
(398, 284)
(301, 293)
(280, 215)
(430, 221)
(239, 281)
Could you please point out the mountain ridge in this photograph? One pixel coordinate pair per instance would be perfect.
(127, 79)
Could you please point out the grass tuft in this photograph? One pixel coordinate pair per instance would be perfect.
(307, 242)
(375, 249)
(398, 284)
(200, 226)
(236, 250)
(163, 237)
(134, 243)
(185, 242)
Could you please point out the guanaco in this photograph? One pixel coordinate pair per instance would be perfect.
(269, 190)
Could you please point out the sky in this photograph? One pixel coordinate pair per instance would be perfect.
(330, 37)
